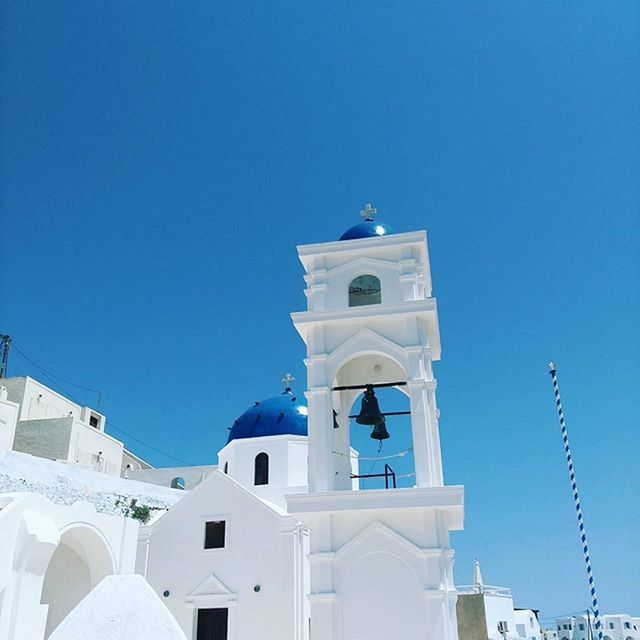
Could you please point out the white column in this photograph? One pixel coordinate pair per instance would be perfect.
(426, 442)
(320, 424)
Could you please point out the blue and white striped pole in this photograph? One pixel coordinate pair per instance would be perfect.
(576, 499)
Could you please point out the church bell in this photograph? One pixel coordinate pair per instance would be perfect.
(371, 415)
(370, 411)
(380, 431)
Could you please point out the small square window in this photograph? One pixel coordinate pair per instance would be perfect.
(581, 627)
(93, 421)
(214, 534)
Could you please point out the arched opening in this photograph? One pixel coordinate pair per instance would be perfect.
(261, 475)
(379, 463)
(177, 483)
(80, 562)
(364, 289)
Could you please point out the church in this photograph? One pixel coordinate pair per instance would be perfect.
(277, 538)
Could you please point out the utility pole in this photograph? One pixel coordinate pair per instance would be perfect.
(6, 341)
(576, 500)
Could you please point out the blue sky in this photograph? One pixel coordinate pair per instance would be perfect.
(160, 162)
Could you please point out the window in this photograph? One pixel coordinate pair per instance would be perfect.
(93, 421)
(214, 534)
(261, 469)
(502, 626)
(564, 626)
(581, 626)
(226, 467)
(610, 625)
(212, 624)
(177, 483)
(627, 625)
(364, 290)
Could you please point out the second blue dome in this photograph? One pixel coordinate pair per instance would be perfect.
(279, 415)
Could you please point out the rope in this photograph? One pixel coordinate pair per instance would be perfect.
(400, 454)
(375, 460)
(576, 500)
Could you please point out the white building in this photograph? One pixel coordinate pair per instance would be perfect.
(51, 426)
(487, 612)
(278, 540)
(527, 624)
(8, 419)
(381, 556)
(51, 557)
(614, 627)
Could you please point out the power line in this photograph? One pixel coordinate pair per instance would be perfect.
(53, 375)
(564, 615)
(109, 422)
(113, 426)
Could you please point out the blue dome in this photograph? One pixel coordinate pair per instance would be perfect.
(280, 415)
(367, 229)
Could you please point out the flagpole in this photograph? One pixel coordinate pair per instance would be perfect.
(576, 500)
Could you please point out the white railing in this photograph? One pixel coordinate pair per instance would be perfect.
(484, 588)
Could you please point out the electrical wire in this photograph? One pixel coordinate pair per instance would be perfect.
(109, 422)
(53, 375)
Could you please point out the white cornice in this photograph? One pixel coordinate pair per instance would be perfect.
(448, 497)
(350, 246)
(408, 308)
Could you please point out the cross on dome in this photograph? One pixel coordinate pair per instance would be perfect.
(368, 212)
(287, 380)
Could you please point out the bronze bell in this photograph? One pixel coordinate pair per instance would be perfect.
(369, 411)
(380, 431)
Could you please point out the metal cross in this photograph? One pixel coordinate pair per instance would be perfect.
(287, 380)
(368, 212)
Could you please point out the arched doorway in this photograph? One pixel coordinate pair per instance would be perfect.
(82, 559)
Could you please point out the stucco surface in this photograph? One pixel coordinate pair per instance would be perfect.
(120, 607)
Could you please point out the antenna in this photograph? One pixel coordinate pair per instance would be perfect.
(576, 499)
(6, 341)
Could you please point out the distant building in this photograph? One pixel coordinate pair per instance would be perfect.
(48, 425)
(486, 612)
(614, 627)
(527, 625)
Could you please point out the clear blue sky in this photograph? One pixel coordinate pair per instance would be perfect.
(160, 162)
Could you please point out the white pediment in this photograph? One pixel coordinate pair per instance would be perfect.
(211, 592)
(211, 586)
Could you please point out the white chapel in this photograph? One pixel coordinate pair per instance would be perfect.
(277, 539)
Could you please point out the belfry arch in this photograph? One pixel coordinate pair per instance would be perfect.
(82, 559)
(369, 367)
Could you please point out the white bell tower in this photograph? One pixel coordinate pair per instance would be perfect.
(381, 562)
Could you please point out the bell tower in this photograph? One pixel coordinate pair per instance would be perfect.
(371, 322)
